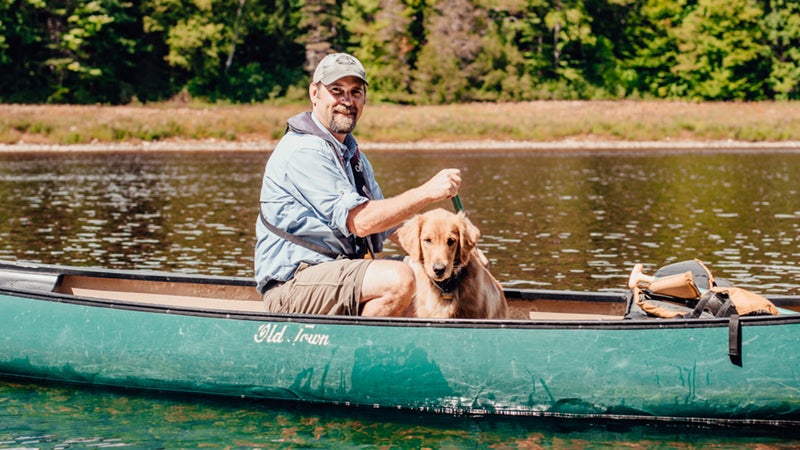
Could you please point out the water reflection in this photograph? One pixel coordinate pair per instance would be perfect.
(41, 416)
(577, 221)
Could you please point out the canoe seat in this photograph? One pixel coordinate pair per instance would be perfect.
(28, 281)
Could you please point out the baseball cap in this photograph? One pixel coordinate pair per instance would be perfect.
(339, 65)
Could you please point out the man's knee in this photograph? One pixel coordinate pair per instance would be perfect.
(389, 279)
(399, 279)
(406, 282)
(388, 289)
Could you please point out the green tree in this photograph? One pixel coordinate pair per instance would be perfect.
(549, 45)
(23, 48)
(228, 49)
(92, 58)
(446, 65)
(605, 62)
(572, 36)
(782, 27)
(721, 55)
(517, 49)
(67, 51)
(647, 68)
(502, 70)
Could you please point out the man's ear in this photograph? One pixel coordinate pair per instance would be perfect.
(312, 93)
(408, 236)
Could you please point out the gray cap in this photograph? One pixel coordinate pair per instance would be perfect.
(339, 65)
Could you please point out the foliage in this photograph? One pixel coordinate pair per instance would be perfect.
(228, 49)
(415, 51)
(720, 54)
(782, 29)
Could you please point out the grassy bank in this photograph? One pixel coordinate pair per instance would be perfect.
(532, 121)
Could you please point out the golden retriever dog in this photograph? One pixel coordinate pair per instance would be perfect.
(451, 281)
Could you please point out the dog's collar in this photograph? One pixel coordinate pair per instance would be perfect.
(449, 285)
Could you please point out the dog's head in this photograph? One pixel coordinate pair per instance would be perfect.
(439, 240)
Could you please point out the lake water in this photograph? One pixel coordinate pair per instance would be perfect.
(554, 220)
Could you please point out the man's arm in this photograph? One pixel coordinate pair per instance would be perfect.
(376, 216)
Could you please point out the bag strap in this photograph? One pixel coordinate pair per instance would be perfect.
(701, 304)
(297, 239)
(364, 243)
(303, 123)
(652, 308)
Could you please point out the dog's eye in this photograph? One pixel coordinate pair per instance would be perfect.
(451, 242)
(426, 240)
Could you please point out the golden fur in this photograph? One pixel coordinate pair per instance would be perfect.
(441, 245)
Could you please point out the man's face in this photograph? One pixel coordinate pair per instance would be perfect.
(339, 105)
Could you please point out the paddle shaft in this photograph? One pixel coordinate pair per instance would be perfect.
(457, 203)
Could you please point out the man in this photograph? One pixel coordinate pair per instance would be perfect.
(321, 209)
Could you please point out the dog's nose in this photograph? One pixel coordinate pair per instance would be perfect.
(438, 269)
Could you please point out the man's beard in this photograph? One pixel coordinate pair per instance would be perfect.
(343, 124)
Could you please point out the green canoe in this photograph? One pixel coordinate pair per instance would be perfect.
(563, 354)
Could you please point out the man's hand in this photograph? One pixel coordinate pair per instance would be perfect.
(376, 216)
(443, 185)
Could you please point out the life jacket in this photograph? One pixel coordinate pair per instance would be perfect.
(687, 289)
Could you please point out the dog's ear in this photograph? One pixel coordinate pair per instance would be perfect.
(408, 236)
(468, 237)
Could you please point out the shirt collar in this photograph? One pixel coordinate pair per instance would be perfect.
(348, 149)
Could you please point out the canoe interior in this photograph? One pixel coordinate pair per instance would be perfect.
(239, 295)
(246, 299)
(236, 295)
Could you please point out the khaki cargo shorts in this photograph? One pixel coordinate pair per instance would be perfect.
(331, 288)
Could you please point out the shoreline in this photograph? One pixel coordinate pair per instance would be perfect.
(554, 126)
(566, 146)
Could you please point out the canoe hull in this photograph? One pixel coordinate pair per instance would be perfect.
(615, 369)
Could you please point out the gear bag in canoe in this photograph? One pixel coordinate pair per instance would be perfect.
(687, 289)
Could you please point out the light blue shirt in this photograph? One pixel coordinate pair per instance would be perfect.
(308, 190)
